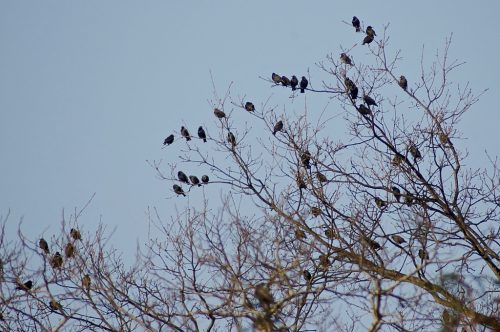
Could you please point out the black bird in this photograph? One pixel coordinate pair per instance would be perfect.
(345, 59)
(263, 294)
(218, 113)
(368, 39)
(69, 250)
(201, 134)
(330, 233)
(321, 177)
(422, 253)
(194, 180)
(75, 234)
(300, 182)
(178, 190)
(403, 82)
(44, 246)
(182, 177)
(231, 139)
(86, 282)
(348, 84)
(276, 78)
(300, 234)
(373, 244)
(380, 202)
(415, 152)
(285, 81)
(56, 261)
(26, 286)
(294, 82)
(305, 157)
(169, 140)
(185, 133)
(397, 193)
(307, 275)
(278, 127)
(353, 92)
(363, 110)
(370, 31)
(303, 84)
(369, 101)
(205, 179)
(398, 239)
(356, 23)
(249, 106)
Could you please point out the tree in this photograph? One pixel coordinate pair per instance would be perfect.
(384, 229)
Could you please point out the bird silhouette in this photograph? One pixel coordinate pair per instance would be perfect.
(324, 261)
(182, 177)
(86, 282)
(307, 275)
(249, 106)
(26, 286)
(218, 113)
(345, 59)
(69, 250)
(285, 81)
(369, 101)
(194, 180)
(353, 92)
(205, 179)
(231, 139)
(422, 253)
(368, 39)
(321, 177)
(315, 211)
(415, 152)
(169, 140)
(397, 193)
(398, 239)
(363, 110)
(370, 31)
(403, 83)
(44, 246)
(56, 261)
(276, 78)
(278, 127)
(178, 190)
(330, 233)
(303, 84)
(54, 305)
(201, 134)
(380, 202)
(305, 157)
(299, 234)
(294, 82)
(356, 23)
(75, 234)
(185, 133)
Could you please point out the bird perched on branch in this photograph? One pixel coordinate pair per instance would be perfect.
(26, 286)
(178, 190)
(69, 250)
(249, 106)
(307, 275)
(363, 110)
(56, 261)
(305, 157)
(194, 180)
(370, 31)
(75, 234)
(276, 78)
(303, 84)
(415, 152)
(356, 23)
(299, 234)
(205, 179)
(422, 253)
(403, 83)
(278, 127)
(369, 101)
(169, 140)
(315, 211)
(344, 58)
(398, 239)
(86, 282)
(380, 202)
(321, 177)
(231, 139)
(182, 177)
(285, 81)
(353, 92)
(263, 294)
(218, 113)
(54, 305)
(397, 193)
(44, 246)
(185, 133)
(368, 39)
(294, 82)
(201, 134)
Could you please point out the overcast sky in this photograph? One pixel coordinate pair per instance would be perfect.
(89, 89)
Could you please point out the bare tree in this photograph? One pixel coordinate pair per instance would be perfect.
(383, 229)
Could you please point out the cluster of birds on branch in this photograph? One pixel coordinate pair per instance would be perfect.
(285, 81)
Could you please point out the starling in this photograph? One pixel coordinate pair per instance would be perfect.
(263, 294)
(369, 101)
(398, 239)
(353, 92)
(75, 234)
(231, 139)
(363, 110)
(444, 139)
(403, 82)
(307, 275)
(182, 177)
(56, 261)
(415, 152)
(321, 177)
(380, 202)
(86, 282)
(26, 286)
(356, 23)
(218, 113)
(422, 253)
(278, 127)
(249, 106)
(397, 160)
(305, 157)
(54, 305)
(367, 40)
(276, 78)
(178, 190)
(169, 140)
(299, 234)
(194, 180)
(44, 246)
(409, 199)
(201, 134)
(69, 250)
(300, 182)
(330, 233)
(294, 82)
(370, 31)
(185, 133)
(315, 211)
(285, 81)
(397, 193)
(303, 84)
(345, 59)
(348, 84)
(324, 261)
(373, 244)
(205, 179)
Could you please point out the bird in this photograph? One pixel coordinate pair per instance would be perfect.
(321, 177)
(348, 83)
(185, 133)
(249, 106)
(231, 139)
(422, 253)
(370, 31)
(169, 140)
(324, 261)
(201, 134)
(294, 82)
(353, 92)
(299, 234)
(444, 139)
(178, 190)
(307, 275)
(315, 211)
(398, 239)
(403, 82)
(54, 305)
(363, 110)
(75, 234)
(305, 157)
(300, 182)
(218, 113)
(369, 101)
(263, 294)
(278, 127)
(182, 177)
(380, 202)
(397, 160)
(345, 59)
(25, 286)
(373, 244)
(86, 282)
(276, 78)
(356, 23)
(368, 39)
(303, 84)
(69, 250)
(194, 180)
(330, 233)
(44, 246)
(56, 261)
(205, 179)
(285, 81)
(397, 193)
(408, 199)
(415, 152)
